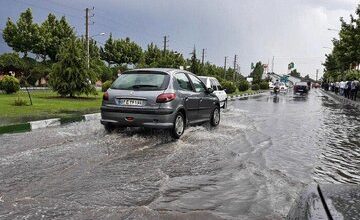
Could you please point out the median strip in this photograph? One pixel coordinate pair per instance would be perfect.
(33, 125)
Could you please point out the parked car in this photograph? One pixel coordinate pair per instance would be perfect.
(212, 82)
(283, 87)
(159, 98)
(301, 88)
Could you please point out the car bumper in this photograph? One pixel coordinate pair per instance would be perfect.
(150, 118)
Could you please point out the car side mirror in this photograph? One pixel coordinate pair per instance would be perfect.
(210, 90)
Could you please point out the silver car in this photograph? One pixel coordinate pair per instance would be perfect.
(159, 98)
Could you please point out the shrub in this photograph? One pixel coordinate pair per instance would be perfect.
(243, 85)
(264, 85)
(10, 84)
(106, 85)
(255, 87)
(19, 102)
(229, 86)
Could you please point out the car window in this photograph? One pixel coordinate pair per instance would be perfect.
(214, 87)
(141, 80)
(220, 88)
(198, 84)
(183, 81)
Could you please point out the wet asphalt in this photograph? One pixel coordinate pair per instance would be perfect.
(264, 152)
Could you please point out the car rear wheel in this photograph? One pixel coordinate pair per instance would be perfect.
(109, 127)
(215, 117)
(179, 126)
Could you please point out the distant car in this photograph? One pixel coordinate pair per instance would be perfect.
(212, 82)
(159, 98)
(283, 87)
(301, 88)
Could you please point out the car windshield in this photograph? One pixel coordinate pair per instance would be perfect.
(141, 81)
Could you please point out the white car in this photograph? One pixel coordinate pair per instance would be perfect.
(212, 82)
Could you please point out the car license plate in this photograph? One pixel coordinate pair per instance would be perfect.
(131, 102)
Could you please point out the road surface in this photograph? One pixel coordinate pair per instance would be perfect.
(264, 152)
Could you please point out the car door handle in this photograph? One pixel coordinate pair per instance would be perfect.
(201, 100)
(186, 99)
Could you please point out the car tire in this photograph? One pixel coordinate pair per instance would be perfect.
(215, 117)
(109, 127)
(179, 126)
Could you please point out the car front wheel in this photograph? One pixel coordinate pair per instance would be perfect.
(225, 104)
(215, 117)
(179, 126)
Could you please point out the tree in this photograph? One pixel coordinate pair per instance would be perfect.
(108, 52)
(123, 51)
(194, 63)
(70, 75)
(11, 62)
(23, 35)
(257, 73)
(295, 73)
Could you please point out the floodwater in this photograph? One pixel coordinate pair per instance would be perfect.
(264, 152)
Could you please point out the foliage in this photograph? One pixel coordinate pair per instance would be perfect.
(229, 86)
(106, 85)
(194, 63)
(70, 75)
(10, 84)
(295, 73)
(23, 35)
(19, 101)
(255, 87)
(11, 62)
(243, 85)
(352, 75)
(264, 85)
(346, 50)
(121, 51)
(154, 57)
(257, 73)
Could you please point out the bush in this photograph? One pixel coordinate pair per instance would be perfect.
(19, 102)
(264, 85)
(229, 86)
(243, 85)
(10, 84)
(255, 87)
(106, 85)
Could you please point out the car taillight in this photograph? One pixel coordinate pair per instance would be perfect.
(165, 97)
(106, 96)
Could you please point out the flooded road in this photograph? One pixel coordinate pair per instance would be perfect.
(264, 152)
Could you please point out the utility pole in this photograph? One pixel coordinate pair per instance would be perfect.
(87, 37)
(235, 66)
(317, 73)
(272, 65)
(225, 68)
(202, 56)
(165, 44)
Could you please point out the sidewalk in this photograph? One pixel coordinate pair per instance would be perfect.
(342, 99)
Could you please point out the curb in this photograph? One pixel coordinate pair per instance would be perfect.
(34, 125)
(341, 99)
(245, 95)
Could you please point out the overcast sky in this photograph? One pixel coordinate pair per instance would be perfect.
(255, 30)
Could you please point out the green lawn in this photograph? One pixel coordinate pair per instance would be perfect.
(46, 104)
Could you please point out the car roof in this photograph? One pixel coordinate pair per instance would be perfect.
(164, 70)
